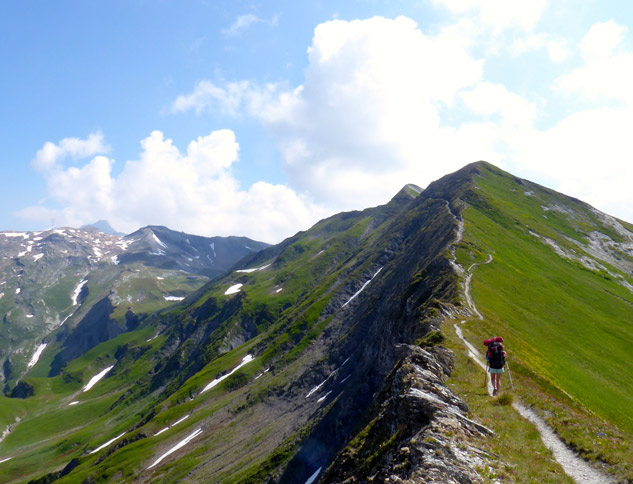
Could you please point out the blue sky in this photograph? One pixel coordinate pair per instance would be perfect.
(260, 118)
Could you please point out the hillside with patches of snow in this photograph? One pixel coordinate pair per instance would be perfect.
(51, 280)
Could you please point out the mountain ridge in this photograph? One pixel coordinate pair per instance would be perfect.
(319, 359)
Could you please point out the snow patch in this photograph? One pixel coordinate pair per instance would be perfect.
(179, 445)
(233, 289)
(172, 425)
(4, 460)
(245, 360)
(262, 373)
(37, 257)
(66, 318)
(107, 443)
(362, 288)
(179, 421)
(314, 476)
(324, 397)
(95, 379)
(158, 241)
(29, 316)
(115, 260)
(213, 249)
(74, 403)
(77, 291)
(124, 244)
(160, 278)
(24, 235)
(254, 269)
(173, 298)
(316, 388)
(17, 291)
(36, 356)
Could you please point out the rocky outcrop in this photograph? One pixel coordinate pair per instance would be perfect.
(418, 430)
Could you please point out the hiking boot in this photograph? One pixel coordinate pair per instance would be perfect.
(494, 392)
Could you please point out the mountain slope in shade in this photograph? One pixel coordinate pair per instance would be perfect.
(316, 360)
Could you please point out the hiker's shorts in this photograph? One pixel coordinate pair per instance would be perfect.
(495, 370)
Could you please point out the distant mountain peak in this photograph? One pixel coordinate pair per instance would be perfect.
(408, 192)
(103, 226)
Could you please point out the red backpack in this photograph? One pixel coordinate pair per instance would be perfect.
(496, 353)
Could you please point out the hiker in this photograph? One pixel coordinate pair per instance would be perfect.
(496, 357)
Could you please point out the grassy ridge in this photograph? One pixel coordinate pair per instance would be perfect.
(565, 321)
(567, 324)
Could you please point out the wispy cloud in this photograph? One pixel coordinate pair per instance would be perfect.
(244, 22)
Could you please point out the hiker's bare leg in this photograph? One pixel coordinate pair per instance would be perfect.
(495, 378)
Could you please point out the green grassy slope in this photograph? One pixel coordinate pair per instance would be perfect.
(564, 310)
(570, 324)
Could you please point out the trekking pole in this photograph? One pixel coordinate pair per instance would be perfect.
(486, 377)
(509, 374)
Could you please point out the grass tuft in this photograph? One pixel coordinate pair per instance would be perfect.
(503, 400)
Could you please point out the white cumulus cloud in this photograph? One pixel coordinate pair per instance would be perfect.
(50, 154)
(193, 191)
(366, 119)
(607, 73)
(383, 103)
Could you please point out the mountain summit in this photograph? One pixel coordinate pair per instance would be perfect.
(322, 358)
(104, 226)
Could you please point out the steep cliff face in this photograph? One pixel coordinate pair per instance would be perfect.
(417, 430)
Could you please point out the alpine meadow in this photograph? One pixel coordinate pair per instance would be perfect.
(337, 355)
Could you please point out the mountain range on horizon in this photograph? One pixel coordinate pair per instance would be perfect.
(333, 356)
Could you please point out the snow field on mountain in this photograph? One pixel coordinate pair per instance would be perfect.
(107, 443)
(362, 288)
(333, 373)
(234, 289)
(36, 355)
(172, 425)
(254, 269)
(77, 291)
(245, 360)
(313, 477)
(95, 379)
(179, 445)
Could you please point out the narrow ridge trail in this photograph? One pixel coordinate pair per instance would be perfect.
(575, 467)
